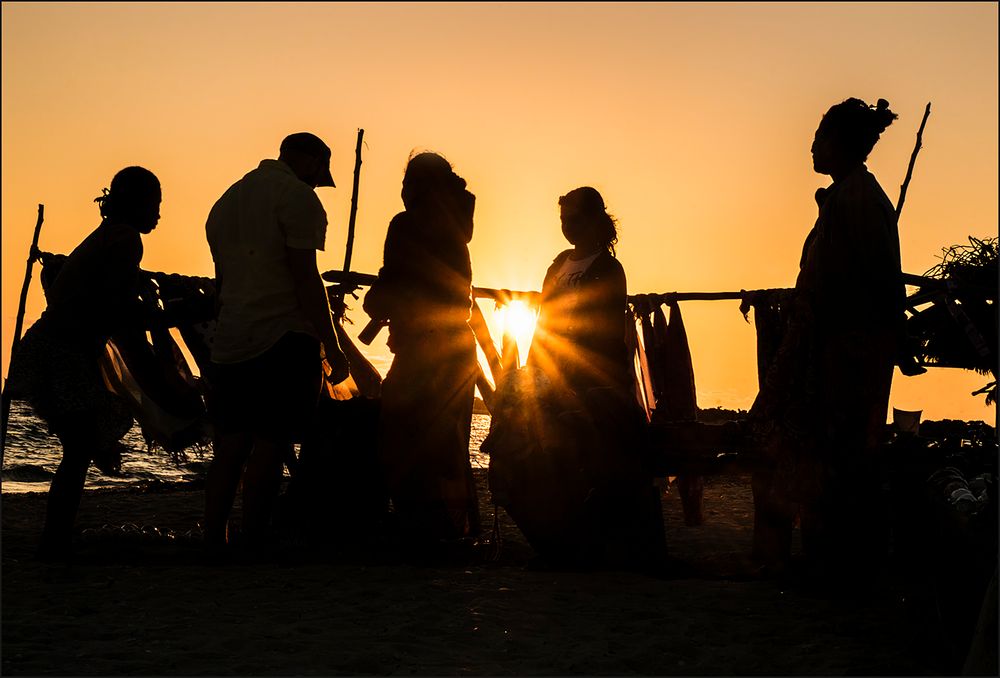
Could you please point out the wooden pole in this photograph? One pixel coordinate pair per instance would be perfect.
(359, 363)
(532, 297)
(354, 203)
(32, 255)
(913, 160)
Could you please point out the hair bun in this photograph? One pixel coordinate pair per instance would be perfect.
(882, 105)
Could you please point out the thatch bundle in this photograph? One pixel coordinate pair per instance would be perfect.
(960, 328)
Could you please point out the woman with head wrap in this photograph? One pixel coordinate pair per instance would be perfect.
(823, 403)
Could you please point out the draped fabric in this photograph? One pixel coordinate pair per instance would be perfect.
(568, 459)
(98, 386)
(668, 358)
(424, 289)
(678, 401)
(576, 484)
(671, 374)
(823, 402)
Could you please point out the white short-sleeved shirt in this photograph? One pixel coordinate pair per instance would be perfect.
(248, 230)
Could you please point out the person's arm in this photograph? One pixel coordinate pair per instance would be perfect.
(315, 305)
(388, 294)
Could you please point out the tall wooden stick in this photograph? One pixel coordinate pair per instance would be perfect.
(354, 202)
(32, 255)
(913, 160)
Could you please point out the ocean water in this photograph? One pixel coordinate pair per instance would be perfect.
(32, 456)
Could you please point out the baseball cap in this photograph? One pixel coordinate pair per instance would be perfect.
(310, 144)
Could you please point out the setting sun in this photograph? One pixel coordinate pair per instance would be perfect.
(518, 319)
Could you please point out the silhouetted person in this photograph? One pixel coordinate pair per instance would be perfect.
(597, 504)
(825, 397)
(57, 368)
(579, 338)
(273, 320)
(424, 290)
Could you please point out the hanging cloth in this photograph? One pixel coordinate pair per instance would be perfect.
(678, 400)
(769, 314)
(641, 383)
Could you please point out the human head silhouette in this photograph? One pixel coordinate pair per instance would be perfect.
(133, 199)
(428, 173)
(431, 186)
(308, 157)
(847, 133)
(585, 219)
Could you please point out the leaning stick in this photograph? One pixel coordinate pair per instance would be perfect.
(354, 203)
(913, 160)
(32, 255)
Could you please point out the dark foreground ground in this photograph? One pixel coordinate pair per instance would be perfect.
(146, 603)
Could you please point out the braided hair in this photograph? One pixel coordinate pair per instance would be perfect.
(133, 189)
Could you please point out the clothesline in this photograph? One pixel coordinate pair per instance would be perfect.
(531, 297)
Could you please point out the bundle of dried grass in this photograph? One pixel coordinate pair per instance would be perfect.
(960, 328)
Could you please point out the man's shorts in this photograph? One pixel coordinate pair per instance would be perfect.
(273, 395)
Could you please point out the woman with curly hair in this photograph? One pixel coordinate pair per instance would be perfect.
(567, 454)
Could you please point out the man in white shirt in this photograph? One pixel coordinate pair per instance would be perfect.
(274, 328)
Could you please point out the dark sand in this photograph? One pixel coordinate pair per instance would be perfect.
(149, 605)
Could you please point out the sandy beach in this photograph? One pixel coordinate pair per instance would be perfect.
(147, 604)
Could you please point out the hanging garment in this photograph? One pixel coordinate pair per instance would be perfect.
(678, 400)
(769, 317)
(642, 386)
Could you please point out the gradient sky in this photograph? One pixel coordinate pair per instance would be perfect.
(694, 120)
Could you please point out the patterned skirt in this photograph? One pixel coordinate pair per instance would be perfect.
(61, 378)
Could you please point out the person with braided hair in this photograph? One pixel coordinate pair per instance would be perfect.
(93, 298)
(822, 405)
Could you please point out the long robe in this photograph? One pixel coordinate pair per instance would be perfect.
(424, 289)
(824, 400)
(567, 455)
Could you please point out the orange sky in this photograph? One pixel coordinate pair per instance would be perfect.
(694, 121)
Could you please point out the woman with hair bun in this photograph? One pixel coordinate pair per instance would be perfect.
(93, 297)
(823, 404)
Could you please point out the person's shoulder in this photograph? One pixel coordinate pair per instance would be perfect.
(862, 190)
(277, 174)
(607, 262)
(403, 222)
(557, 263)
(112, 242)
(857, 183)
(561, 257)
(121, 233)
(232, 191)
